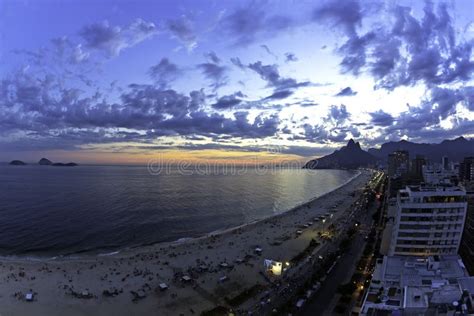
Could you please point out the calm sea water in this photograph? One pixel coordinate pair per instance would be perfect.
(59, 210)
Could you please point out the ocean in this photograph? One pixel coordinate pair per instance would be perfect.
(53, 211)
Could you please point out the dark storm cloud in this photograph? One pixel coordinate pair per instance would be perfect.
(236, 61)
(304, 103)
(347, 15)
(245, 25)
(347, 18)
(386, 55)
(321, 134)
(213, 57)
(381, 118)
(469, 97)
(271, 75)
(282, 87)
(404, 52)
(346, 92)
(165, 72)
(444, 101)
(113, 39)
(279, 95)
(47, 112)
(64, 48)
(229, 101)
(268, 73)
(194, 137)
(338, 114)
(182, 29)
(215, 73)
(207, 124)
(336, 127)
(308, 103)
(354, 52)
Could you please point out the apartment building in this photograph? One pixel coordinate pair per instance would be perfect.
(467, 244)
(434, 175)
(466, 169)
(398, 163)
(429, 220)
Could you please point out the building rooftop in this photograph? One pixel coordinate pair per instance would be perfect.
(412, 271)
(440, 188)
(403, 283)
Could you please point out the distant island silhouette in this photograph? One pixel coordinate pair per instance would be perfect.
(17, 163)
(44, 162)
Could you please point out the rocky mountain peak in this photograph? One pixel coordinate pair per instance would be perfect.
(353, 145)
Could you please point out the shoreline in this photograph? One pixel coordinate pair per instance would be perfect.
(88, 254)
(134, 275)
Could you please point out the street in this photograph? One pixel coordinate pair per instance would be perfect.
(324, 300)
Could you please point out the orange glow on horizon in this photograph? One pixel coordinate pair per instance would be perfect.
(174, 156)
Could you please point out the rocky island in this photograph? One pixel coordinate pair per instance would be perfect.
(17, 163)
(47, 162)
(44, 162)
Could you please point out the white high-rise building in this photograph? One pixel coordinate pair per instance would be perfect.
(429, 220)
(435, 175)
(445, 163)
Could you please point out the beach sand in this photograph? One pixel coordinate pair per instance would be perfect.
(75, 286)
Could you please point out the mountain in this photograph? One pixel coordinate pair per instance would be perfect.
(455, 149)
(44, 162)
(17, 163)
(350, 156)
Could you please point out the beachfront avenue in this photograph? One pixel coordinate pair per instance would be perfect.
(310, 288)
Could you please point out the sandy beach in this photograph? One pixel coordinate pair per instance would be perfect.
(200, 273)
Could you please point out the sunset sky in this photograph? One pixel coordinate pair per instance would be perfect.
(127, 81)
